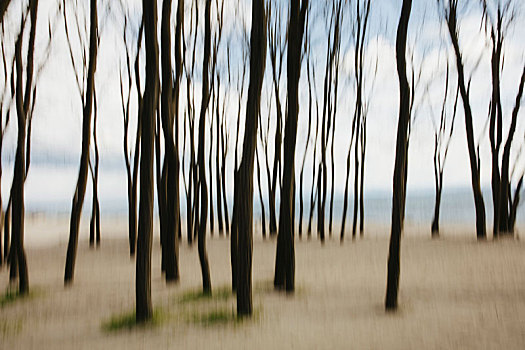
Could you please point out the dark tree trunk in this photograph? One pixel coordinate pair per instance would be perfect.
(223, 182)
(144, 310)
(210, 166)
(362, 184)
(3, 8)
(203, 256)
(94, 223)
(345, 198)
(80, 191)
(263, 214)
(7, 228)
(244, 180)
(285, 257)
(171, 158)
(133, 186)
(435, 220)
(320, 206)
(217, 163)
(310, 101)
(474, 161)
(160, 174)
(400, 163)
(505, 181)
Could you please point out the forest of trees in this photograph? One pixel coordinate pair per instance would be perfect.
(196, 91)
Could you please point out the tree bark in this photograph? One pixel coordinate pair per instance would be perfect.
(78, 198)
(203, 256)
(474, 163)
(171, 157)
(400, 162)
(244, 179)
(144, 310)
(285, 257)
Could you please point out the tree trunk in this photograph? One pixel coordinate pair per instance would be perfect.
(263, 214)
(285, 257)
(94, 225)
(474, 163)
(217, 164)
(203, 257)
(435, 220)
(144, 310)
(400, 163)
(171, 166)
(505, 181)
(244, 178)
(223, 181)
(345, 198)
(78, 198)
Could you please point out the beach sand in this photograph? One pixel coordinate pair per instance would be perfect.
(455, 293)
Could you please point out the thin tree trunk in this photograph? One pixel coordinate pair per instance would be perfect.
(171, 166)
(505, 181)
(263, 214)
(78, 198)
(244, 179)
(285, 257)
(400, 163)
(203, 256)
(217, 162)
(474, 161)
(144, 309)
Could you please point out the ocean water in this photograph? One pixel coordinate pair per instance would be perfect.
(49, 190)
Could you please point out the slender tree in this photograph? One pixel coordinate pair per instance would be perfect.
(86, 93)
(442, 137)
(277, 45)
(448, 10)
(94, 222)
(144, 310)
(202, 188)
(399, 190)
(6, 97)
(131, 168)
(243, 206)
(23, 99)
(285, 257)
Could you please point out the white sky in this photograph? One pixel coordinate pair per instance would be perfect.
(57, 119)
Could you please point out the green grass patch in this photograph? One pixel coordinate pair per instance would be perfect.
(218, 316)
(128, 321)
(219, 294)
(12, 295)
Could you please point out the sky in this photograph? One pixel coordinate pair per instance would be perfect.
(56, 137)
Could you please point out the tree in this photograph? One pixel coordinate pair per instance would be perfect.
(285, 257)
(448, 10)
(358, 133)
(202, 187)
(24, 99)
(498, 17)
(243, 206)
(3, 8)
(399, 190)
(169, 115)
(86, 88)
(442, 137)
(132, 173)
(94, 223)
(144, 310)
(329, 109)
(6, 97)
(277, 45)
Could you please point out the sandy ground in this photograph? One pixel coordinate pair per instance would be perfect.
(455, 293)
